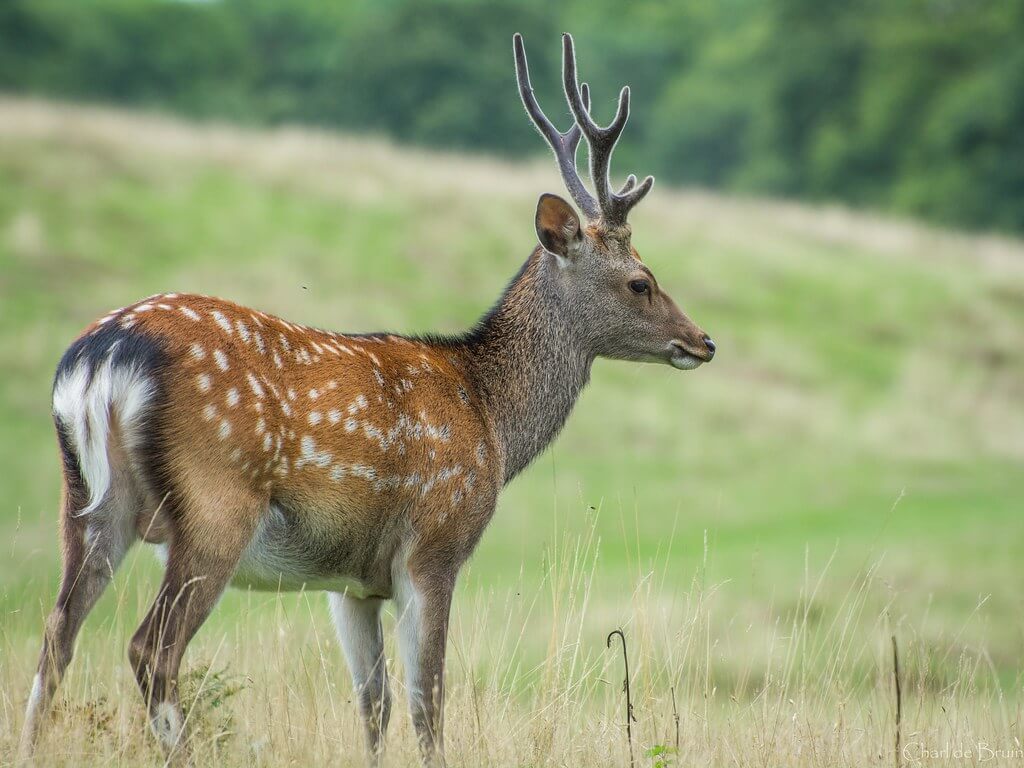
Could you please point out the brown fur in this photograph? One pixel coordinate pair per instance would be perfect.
(384, 408)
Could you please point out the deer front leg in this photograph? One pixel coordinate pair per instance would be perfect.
(424, 602)
(359, 630)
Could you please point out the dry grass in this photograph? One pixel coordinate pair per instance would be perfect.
(531, 683)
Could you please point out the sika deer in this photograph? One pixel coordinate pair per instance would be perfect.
(261, 453)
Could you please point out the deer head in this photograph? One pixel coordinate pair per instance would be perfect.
(614, 297)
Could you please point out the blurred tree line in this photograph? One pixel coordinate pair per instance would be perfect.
(913, 106)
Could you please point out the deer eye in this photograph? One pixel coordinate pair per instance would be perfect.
(639, 286)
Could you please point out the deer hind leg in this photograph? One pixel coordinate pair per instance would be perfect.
(362, 640)
(206, 544)
(94, 545)
(423, 605)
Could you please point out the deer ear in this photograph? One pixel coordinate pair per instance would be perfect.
(558, 226)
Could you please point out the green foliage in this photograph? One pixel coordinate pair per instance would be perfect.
(916, 106)
(660, 755)
(204, 693)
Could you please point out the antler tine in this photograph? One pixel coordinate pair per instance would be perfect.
(614, 206)
(626, 199)
(563, 144)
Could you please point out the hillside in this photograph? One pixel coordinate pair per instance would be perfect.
(864, 415)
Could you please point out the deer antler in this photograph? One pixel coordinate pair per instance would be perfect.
(611, 207)
(615, 206)
(563, 144)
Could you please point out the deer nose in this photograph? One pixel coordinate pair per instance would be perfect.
(710, 345)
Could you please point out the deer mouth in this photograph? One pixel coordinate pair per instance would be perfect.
(683, 359)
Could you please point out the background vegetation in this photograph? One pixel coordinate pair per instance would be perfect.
(914, 106)
(848, 468)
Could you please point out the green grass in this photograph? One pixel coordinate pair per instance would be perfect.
(866, 407)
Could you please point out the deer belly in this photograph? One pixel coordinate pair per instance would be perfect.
(285, 556)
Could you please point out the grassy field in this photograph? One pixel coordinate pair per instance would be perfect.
(850, 467)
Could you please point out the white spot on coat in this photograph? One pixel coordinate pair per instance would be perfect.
(204, 382)
(189, 313)
(221, 358)
(222, 321)
(254, 384)
(233, 397)
(310, 455)
(198, 352)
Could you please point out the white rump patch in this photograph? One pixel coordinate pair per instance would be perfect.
(85, 409)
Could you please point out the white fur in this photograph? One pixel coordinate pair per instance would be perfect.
(685, 361)
(33, 714)
(409, 605)
(167, 724)
(85, 408)
(358, 625)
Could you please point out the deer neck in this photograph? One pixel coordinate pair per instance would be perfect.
(528, 362)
